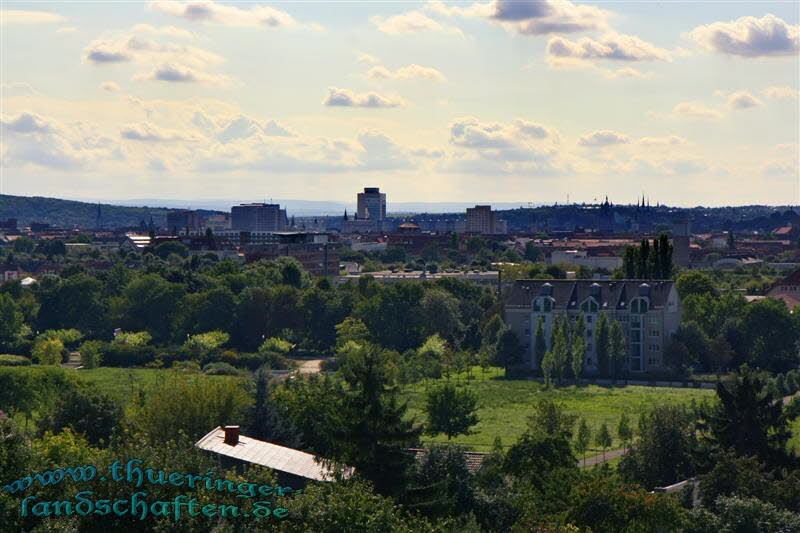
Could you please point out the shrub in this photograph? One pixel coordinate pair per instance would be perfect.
(253, 361)
(14, 360)
(221, 369)
(92, 353)
(190, 367)
(48, 351)
(124, 355)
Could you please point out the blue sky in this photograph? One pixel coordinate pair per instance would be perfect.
(688, 102)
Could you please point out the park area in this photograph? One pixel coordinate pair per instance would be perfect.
(504, 405)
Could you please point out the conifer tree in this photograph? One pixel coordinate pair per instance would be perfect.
(601, 338)
(578, 347)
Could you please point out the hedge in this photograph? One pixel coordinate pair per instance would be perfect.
(14, 360)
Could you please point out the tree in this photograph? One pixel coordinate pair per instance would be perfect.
(602, 345)
(48, 351)
(269, 420)
(441, 314)
(444, 481)
(203, 344)
(560, 347)
(151, 303)
(451, 411)
(547, 368)
(624, 431)
(665, 450)
(617, 350)
(578, 347)
(583, 439)
(750, 419)
(539, 343)
(372, 428)
(770, 335)
(10, 321)
(91, 354)
(87, 412)
(351, 329)
(695, 282)
(603, 439)
(721, 353)
(492, 329)
(167, 248)
(508, 352)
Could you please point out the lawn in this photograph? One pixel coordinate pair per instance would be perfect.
(121, 383)
(504, 405)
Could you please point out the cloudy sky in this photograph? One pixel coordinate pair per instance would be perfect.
(691, 103)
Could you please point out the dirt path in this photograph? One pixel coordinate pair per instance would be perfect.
(598, 459)
(310, 366)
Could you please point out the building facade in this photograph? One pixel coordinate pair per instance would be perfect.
(258, 217)
(372, 204)
(480, 219)
(648, 310)
(182, 221)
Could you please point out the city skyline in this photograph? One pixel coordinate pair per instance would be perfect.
(485, 102)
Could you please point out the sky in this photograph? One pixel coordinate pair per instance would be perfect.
(688, 103)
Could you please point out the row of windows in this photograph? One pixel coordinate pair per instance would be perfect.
(545, 304)
(653, 347)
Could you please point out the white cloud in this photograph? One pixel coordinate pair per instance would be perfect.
(412, 22)
(209, 12)
(603, 138)
(671, 140)
(742, 100)
(783, 92)
(347, 98)
(410, 72)
(611, 46)
(695, 110)
(67, 29)
(368, 59)
(177, 73)
(569, 63)
(26, 123)
(750, 37)
(166, 31)
(149, 132)
(13, 17)
(532, 17)
(110, 86)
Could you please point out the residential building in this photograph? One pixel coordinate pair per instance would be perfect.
(258, 217)
(582, 258)
(787, 290)
(220, 222)
(372, 204)
(293, 467)
(313, 250)
(681, 233)
(649, 311)
(182, 221)
(480, 219)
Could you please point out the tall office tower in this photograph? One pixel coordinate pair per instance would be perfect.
(258, 217)
(480, 219)
(372, 204)
(681, 233)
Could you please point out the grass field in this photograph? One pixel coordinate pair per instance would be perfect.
(504, 405)
(120, 383)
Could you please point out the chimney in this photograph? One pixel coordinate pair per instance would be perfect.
(232, 435)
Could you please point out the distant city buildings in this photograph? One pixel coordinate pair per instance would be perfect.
(258, 217)
(371, 204)
(483, 221)
(182, 221)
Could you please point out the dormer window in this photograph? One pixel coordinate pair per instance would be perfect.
(640, 305)
(590, 305)
(543, 304)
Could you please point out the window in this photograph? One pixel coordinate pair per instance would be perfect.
(590, 306)
(543, 304)
(639, 306)
(588, 319)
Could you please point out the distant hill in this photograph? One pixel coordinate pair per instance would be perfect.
(68, 213)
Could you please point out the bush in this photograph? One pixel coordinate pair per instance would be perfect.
(221, 369)
(14, 360)
(92, 353)
(125, 355)
(48, 351)
(253, 361)
(189, 367)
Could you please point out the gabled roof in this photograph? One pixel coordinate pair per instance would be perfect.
(266, 454)
(474, 460)
(612, 294)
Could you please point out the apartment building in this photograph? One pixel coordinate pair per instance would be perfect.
(649, 311)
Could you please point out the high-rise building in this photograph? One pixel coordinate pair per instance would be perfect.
(480, 219)
(372, 204)
(258, 217)
(181, 221)
(681, 235)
